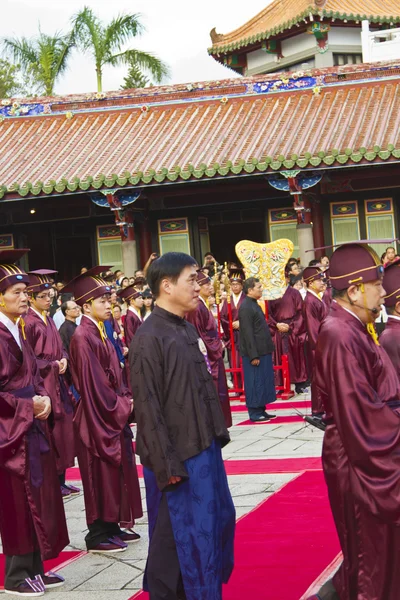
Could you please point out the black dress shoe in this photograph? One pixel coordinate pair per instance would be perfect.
(269, 416)
(262, 418)
(316, 421)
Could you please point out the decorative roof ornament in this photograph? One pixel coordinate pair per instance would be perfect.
(319, 3)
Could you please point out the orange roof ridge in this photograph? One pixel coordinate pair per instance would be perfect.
(281, 15)
(306, 120)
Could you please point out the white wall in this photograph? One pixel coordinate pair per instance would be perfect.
(297, 44)
(259, 58)
(344, 36)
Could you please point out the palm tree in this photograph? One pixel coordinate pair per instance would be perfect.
(105, 42)
(43, 59)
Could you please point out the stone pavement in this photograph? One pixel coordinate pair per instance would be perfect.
(119, 576)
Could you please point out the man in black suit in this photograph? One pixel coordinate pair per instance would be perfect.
(256, 348)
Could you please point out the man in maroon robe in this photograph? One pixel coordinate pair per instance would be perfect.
(103, 436)
(133, 319)
(32, 519)
(207, 329)
(45, 341)
(315, 311)
(361, 451)
(236, 278)
(390, 338)
(286, 322)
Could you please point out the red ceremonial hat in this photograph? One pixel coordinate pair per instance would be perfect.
(352, 264)
(129, 293)
(202, 278)
(88, 286)
(311, 273)
(237, 275)
(10, 274)
(391, 283)
(39, 280)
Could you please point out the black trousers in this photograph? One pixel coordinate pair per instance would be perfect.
(100, 531)
(164, 576)
(19, 568)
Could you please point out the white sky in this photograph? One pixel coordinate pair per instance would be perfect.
(177, 32)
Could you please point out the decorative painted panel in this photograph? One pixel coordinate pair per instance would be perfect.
(282, 215)
(110, 253)
(6, 241)
(379, 207)
(108, 232)
(344, 209)
(171, 226)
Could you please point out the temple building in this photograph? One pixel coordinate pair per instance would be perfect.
(290, 35)
(311, 153)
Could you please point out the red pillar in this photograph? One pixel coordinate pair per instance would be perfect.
(318, 226)
(144, 241)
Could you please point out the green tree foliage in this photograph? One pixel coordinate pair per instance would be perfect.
(10, 80)
(135, 79)
(44, 59)
(106, 44)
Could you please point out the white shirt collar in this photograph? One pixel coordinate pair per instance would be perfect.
(203, 301)
(93, 320)
(236, 298)
(310, 291)
(136, 312)
(394, 317)
(40, 314)
(12, 328)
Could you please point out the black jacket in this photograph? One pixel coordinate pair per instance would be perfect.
(255, 337)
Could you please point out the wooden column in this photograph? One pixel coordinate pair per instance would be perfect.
(318, 224)
(145, 246)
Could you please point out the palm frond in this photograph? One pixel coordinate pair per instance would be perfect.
(22, 50)
(146, 61)
(87, 30)
(121, 30)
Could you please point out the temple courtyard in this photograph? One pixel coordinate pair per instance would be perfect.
(286, 543)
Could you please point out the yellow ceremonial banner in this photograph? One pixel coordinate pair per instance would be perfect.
(266, 262)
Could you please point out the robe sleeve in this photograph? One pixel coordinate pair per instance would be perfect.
(154, 445)
(314, 316)
(369, 429)
(132, 324)
(297, 326)
(224, 318)
(200, 319)
(102, 412)
(246, 316)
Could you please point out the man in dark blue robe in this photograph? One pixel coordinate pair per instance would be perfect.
(181, 431)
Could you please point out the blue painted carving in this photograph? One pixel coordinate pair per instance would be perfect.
(126, 198)
(306, 181)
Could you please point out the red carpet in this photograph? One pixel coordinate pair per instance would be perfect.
(241, 467)
(50, 565)
(276, 406)
(283, 545)
(277, 421)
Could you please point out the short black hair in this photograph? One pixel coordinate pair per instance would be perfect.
(65, 297)
(390, 248)
(339, 293)
(295, 278)
(169, 266)
(209, 254)
(64, 307)
(292, 261)
(249, 284)
(313, 263)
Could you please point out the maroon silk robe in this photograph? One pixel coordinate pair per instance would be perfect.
(207, 329)
(315, 311)
(31, 508)
(47, 346)
(390, 341)
(236, 333)
(131, 325)
(103, 436)
(361, 455)
(289, 310)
